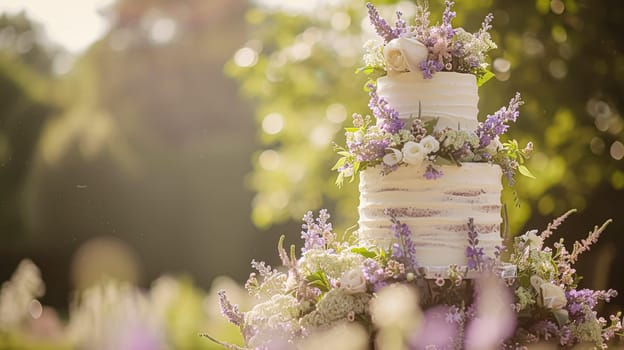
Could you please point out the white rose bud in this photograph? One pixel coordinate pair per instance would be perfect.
(393, 158)
(430, 144)
(395, 61)
(413, 153)
(353, 281)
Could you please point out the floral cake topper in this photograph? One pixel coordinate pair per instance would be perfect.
(428, 48)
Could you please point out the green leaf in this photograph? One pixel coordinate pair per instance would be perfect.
(430, 125)
(364, 252)
(483, 78)
(352, 129)
(339, 163)
(319, 280)
(525, 171)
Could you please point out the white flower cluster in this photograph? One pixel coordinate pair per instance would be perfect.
(336, 305)
(272, 319)
(373, 54)
(413, 153)
(333, 264)
(475, 45)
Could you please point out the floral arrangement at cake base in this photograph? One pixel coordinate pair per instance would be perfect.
(385, 297)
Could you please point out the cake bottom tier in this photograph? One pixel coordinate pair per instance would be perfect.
(436, 211)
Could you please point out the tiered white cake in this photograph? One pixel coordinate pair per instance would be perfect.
(436, 211)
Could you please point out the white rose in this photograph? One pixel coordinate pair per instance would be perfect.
(413, 153)
(353, 281)
(414, 52)
(403, 54)
(430, 144)
(394, 56)
(393, 158)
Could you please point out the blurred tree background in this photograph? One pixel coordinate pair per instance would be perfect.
(133, 161)
(141, 159)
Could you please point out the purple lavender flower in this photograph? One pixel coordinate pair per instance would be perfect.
(496, 124)
(404, 250)
(432, 173)
(382, 27)
(486, 25)
(230, 311)
(447, 17)
(580, 300)
(474, 253)
(315, 234)
(374, 274)
(429, 67)
(369, 149)
(387, 118)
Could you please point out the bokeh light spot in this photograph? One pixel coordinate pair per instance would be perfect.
(597, 145)
(546, 205)
(617, 180)
(321, 135)
(557, 7)
(246, 57)
(336, 113)
(269, 160)
(501, 65)
(273, 123)
(558, 69)
(163, 30)
(617, 150)
(340, 21)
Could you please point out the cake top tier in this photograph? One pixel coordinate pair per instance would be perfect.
(450, 98)
(428, 49)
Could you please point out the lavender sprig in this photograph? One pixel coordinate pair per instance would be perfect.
(555, 225)
(229, 310)
(432, 173)
(585, 244)
(382, 27)
(486, 25)
(387, 117)
(404, 250)
(447, 17)
(474, 253)
(496, 125)
(316, 234)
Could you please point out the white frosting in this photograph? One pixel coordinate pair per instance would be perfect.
(451, 97)
(436, 211)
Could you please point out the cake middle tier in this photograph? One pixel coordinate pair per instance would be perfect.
(436, 211)
(450, 97)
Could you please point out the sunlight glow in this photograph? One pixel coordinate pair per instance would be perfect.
(74, 24)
